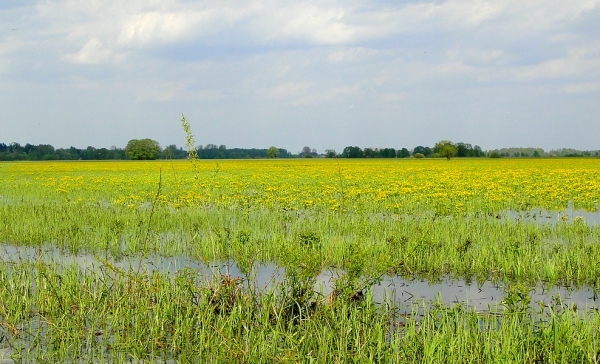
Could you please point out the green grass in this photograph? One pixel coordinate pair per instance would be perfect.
(54, 311)
(57, 314)
(469, 246)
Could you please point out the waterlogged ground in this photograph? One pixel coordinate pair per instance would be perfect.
(318, 260)
(482, 296)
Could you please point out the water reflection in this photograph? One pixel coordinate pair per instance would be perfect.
(484, 296)
(542, 216)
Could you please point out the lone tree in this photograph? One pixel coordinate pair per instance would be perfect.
(272, 152)
(446, 149)
(144, 149)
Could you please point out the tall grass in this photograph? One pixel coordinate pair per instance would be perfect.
(470, 246)
(57, 314)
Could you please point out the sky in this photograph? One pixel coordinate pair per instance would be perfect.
(323, 74)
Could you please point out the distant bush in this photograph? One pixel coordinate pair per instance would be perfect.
(419, 155)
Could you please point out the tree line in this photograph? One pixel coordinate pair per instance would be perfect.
(539, 152)
(448, 149)
(135, 150)
(150, 149)
(443, 148)
(31, 152)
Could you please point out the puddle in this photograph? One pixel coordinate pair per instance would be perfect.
(404, 292)
(534, 215)
(482, 297)
(542, 216)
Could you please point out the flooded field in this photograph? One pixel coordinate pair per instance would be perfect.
(300, 261)
(481, 296)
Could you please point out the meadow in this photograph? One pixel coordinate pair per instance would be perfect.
(516, 223)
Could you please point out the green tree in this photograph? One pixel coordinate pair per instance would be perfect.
(305, 151)
(272, 152)
(330, 153)
(403, 153)
(388, 153)
(352, 152)
(445, 148)
(464, 150)
(369, 153)
(426, 151)
(144, 149)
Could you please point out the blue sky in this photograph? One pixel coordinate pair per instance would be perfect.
(326, 74)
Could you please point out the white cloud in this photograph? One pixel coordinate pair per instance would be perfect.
(561, 68)
(305, 55)
(310, 23)
(155, 27)
(93, 52)
(119, 25)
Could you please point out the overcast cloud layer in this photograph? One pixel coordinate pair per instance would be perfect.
(326, 74)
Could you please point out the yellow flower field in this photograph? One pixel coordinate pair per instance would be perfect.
(373, 185)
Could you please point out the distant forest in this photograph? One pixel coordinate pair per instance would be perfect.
(31, 152)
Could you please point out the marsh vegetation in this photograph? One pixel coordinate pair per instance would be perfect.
(83, 276)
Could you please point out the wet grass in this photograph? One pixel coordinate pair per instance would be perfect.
(471, 246)
(57, 314)
(55, 311)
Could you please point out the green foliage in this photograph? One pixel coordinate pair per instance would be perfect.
(518, 298)
(272, 152)
(309, 239)
(467, 150)
(144, 149)
(353, 152)
(356, 152)
(426, 151)
(524, 152)
(16, 152)
(419, 155)
(100, 313)
(403, 153)
(387, 153)
(53, 313)
(446, 149)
